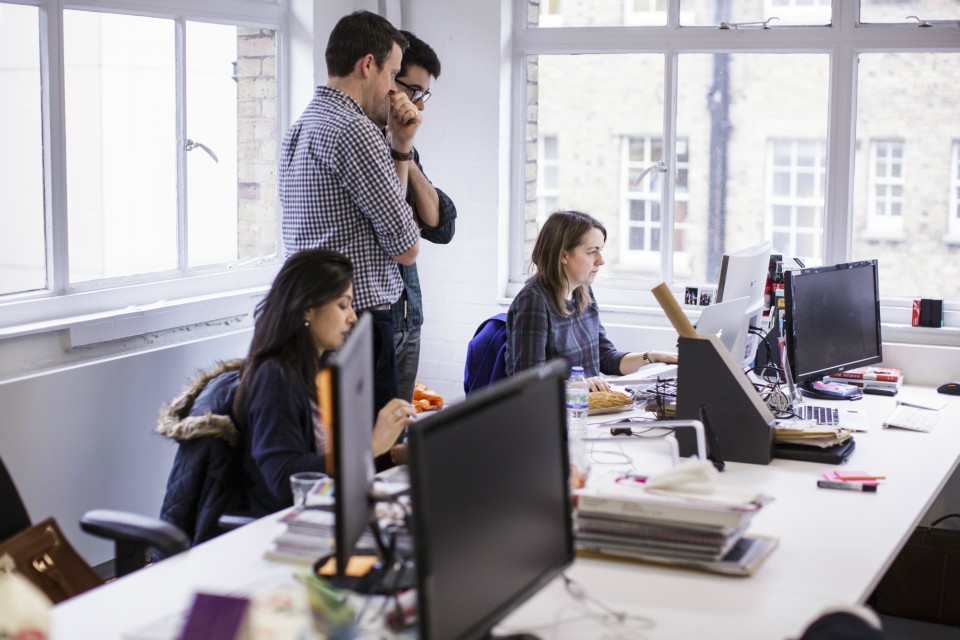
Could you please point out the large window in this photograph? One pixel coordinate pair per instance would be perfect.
(764, 132)
(147, 157)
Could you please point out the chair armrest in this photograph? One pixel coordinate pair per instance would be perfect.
(122, 526)
(229, 521)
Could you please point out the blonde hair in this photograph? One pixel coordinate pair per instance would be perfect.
(563, 232)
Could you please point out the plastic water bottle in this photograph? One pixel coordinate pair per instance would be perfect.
(578, 401)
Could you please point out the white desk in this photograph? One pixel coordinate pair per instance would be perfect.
(834, 548)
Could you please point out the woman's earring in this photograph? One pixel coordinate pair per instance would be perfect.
(306, 323)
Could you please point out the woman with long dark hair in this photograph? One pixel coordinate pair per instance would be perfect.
(556, 315)
(307, 313)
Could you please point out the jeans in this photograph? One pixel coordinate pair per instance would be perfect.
(407, 344)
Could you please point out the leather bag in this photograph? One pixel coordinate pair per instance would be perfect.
(923, 583)
(45, 557)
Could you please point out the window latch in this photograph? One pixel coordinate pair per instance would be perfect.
(762, 24)
(660, 167)
(932, 23)
(191, 145)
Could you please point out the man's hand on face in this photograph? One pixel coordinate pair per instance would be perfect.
(403, 123)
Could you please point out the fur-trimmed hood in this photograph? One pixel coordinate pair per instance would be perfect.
(204, 408)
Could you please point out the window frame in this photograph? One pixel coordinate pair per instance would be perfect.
(816, 170)
(953, 218)
(888, 225)
(844, 40)
(177, 297)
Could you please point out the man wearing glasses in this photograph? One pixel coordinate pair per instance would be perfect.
(434, 212)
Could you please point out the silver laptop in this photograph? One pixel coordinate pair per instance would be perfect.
(727, 320)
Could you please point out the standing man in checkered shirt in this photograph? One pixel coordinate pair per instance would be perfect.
(342, 183)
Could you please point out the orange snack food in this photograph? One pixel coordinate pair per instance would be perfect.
(425, 399)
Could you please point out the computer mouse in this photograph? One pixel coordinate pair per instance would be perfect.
(950, 388)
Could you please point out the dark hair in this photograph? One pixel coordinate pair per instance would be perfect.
(419, 53)
(563, 232)
(308, 279)
(357, 35)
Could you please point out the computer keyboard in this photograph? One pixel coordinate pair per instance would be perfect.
(914, 418)
(829, 416)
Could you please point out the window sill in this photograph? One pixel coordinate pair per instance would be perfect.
(883, 235)
(123, 312)
(952, 239)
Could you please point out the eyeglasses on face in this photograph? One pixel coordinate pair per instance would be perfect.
(416, 93)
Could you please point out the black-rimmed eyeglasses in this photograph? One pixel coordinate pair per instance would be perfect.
(416, 93)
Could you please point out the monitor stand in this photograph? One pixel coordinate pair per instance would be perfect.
(390, 575)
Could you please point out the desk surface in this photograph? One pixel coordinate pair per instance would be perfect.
(834, 548)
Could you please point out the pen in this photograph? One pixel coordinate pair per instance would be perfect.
(847, 486)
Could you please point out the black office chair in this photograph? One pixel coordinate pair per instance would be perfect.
(132, 534)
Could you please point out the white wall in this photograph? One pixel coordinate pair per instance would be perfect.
(81, 437)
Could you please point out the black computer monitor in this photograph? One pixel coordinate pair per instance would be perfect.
(743, 274)
(345, 391)
(491, 503)
(832, 319)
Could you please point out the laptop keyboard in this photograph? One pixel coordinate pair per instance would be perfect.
(829, 416)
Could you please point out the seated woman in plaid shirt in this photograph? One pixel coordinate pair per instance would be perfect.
(556, 315)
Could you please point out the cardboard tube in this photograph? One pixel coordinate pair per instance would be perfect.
(674, 313)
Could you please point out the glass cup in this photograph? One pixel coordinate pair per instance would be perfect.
(310, 488)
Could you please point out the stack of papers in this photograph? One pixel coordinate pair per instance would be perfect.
(810, 434)
(309, 535)
(694, 522)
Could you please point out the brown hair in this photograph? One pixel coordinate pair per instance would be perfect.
(563, 231)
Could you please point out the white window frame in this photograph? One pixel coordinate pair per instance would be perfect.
(168, 300)
(886, 225)
(643, 258)
(844, 41)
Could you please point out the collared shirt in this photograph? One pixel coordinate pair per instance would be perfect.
(537, 333)
(339, 190)
(408, 310)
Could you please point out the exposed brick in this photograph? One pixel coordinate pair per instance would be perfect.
(249, 190)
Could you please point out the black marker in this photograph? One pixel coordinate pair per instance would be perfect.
(847, 486)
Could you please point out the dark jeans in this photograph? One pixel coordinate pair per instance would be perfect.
(407, 344)
(384, 360)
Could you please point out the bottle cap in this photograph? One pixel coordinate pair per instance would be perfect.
(576, 370)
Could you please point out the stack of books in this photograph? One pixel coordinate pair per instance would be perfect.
(705, 531)
(308, 535)
(883, 380)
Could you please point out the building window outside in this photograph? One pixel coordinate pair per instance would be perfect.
(886, 187)
(795, 200)
(548, 177)
(954, 214)
(187, 172)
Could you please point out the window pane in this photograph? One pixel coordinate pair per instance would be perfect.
(22, 252)
(613, 134)
(896, 12)
(787, 12)
(232, 110)
(212, 122)
(762, 180)
(121, 144)
(595, 13)
(902, 199)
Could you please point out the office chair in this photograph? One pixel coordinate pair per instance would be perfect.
(132, 534)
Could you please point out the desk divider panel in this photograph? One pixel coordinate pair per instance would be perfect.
(708, 377)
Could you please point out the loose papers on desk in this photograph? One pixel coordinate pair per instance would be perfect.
(693, 521)
(810, 434)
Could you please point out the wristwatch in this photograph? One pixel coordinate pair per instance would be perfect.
(397, 155)
(645, 357)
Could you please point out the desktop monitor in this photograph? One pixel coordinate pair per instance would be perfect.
(345, 392)
(491, 502)
(832, 319)
(743, 274)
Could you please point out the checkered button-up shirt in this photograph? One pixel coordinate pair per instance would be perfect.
(339, 190)
(537, 333)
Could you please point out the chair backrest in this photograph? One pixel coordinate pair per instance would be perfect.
(13, 513)
(486, 354)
